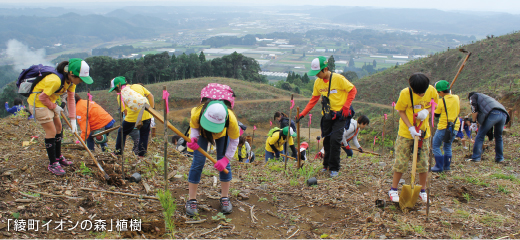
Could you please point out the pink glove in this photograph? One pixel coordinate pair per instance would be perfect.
(193, 144)
(221, 164)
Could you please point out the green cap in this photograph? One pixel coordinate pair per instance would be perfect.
(80, 69)
(317, 65)
(214, 117)
(286, 129)
(116, 82)
(442, 85)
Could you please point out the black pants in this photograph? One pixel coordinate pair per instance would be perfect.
(332, 132)
(144, 133)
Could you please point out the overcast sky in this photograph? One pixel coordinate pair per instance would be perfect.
(510, 6)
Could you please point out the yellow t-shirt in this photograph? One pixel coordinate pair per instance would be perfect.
(132, 115)
(339, 89)
(404, 103)
(49, 85)
(453, 105)
(277, 142)
(233, 130)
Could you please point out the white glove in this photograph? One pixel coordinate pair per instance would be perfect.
(473, 127)
(413, 132)
(423, 114)
(58, 110)
(74, 128)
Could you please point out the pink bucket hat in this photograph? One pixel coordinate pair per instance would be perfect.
(218, 92)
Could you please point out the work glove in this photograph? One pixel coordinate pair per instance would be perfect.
(413, 132)
(345, 111)
(473, 127)
(74, 126)
(347, 147)
(221, 164)
(58, 110)
(277, 154)
(334, 115)
(298, 118)
(423, 114)
(193, 144)
(360, 150)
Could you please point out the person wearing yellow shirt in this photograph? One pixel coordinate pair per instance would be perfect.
(274, 143)
(413, 100)
(128, 125)
(212, 122)
(449, 123)
(337, 94)
(42, 105)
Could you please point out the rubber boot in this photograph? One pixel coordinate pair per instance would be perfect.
(439, 164)
(447, 163)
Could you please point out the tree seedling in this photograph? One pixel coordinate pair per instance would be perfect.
(221, 217)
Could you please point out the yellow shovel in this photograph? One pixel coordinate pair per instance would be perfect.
(410, 193)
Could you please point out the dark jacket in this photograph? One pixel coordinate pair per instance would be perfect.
(484, 104)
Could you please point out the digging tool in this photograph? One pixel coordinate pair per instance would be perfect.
(105, 175)
(298, 137)
(433, 104)
(158, 117)
(122, 133)
(373, 153)
(289, 132)
(283, 155)
(461, 66)
(106, 131)
(410, 193)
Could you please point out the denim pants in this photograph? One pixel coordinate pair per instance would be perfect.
(438, 141)
(199, 160)
(497, 119)
(90, 139)
(144, 133)
(271, 155)
(134, 134)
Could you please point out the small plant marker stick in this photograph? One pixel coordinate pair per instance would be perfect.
(310, 117)
(298, 137)
(86, 123)
(428, 184)
(288, 132)
(383, 135)
(253, 138)
(165, 97)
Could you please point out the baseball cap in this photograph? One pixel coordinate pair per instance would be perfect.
(285, 129)
(80, 69)
(317, 65)
(214, 117)
(116, 82)
(442, 85)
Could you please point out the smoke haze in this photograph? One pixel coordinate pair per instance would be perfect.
(23, 57)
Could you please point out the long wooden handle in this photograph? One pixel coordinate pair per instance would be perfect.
(158, 116)
(86, 148)
(414, 164)
(460, 70)
(106, 131)
(283, 155)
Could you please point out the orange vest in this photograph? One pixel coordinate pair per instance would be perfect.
(97, 117)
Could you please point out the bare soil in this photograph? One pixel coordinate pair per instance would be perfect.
(473, 200)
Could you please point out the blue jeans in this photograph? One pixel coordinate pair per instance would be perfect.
(199, 160)
(438, 141)
(270, 155)
(90, 139)
(497, 119)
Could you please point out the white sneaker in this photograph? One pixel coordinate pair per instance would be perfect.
(423, 196)
(394, 195)
(466, 148)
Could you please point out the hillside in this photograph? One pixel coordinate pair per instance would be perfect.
(471, 201)
(493, 67)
